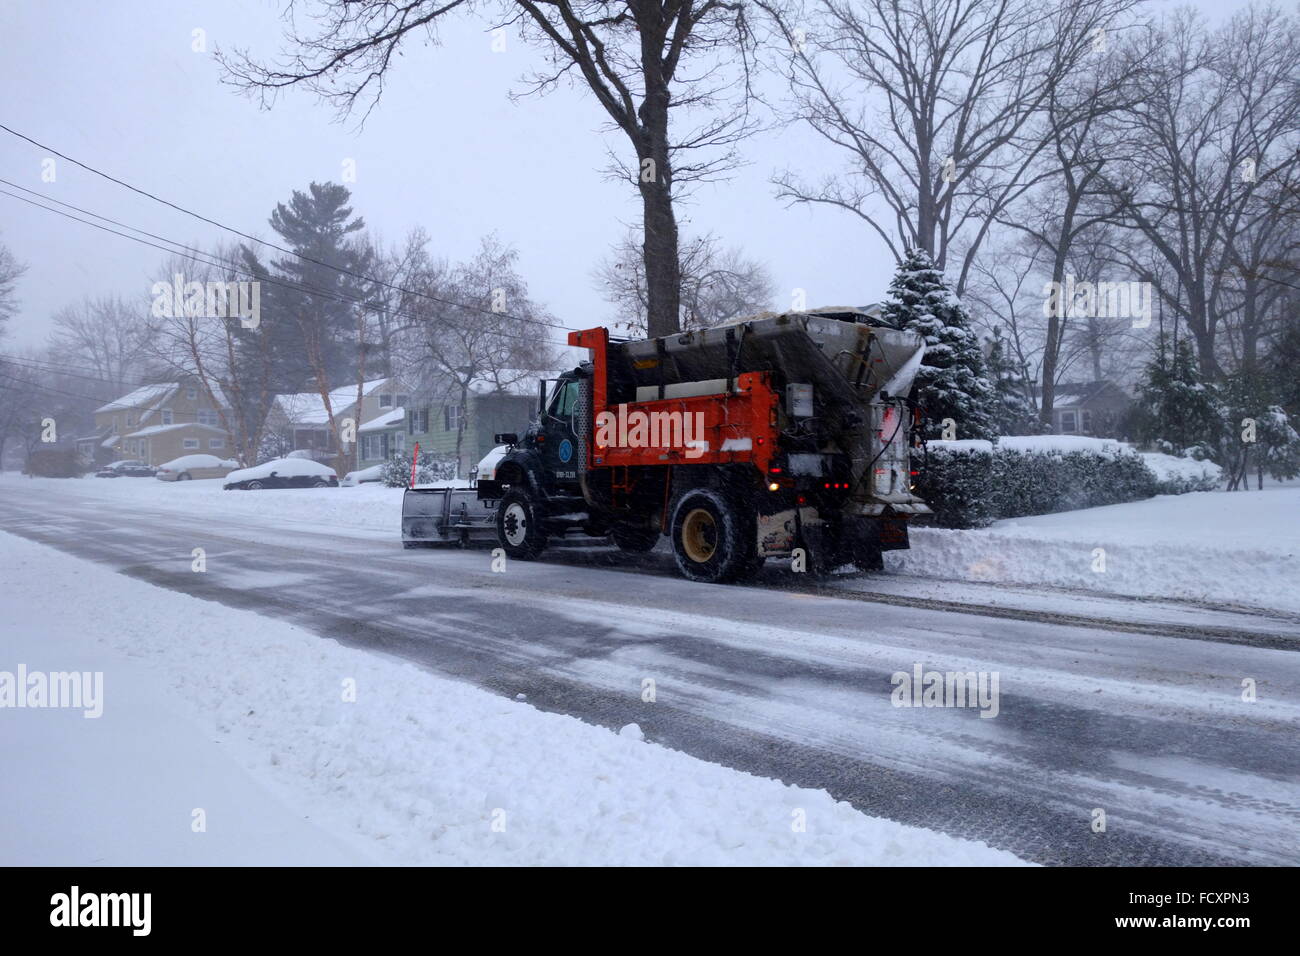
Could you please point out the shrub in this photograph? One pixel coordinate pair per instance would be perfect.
(1180, 475)
(971, 484)
(397, 470)
(55, 463)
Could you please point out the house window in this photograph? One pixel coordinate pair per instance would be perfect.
(452, 416)
(215, 443)
(131, 419)
(403, 400)
(385, 399)
(191, 393)
(399, 441)
(191, 443)
(166, 416)
(1085, 422)
(417, 422)
(1069, 425)
(207, 416)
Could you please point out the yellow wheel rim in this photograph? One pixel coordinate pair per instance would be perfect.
(699, 535)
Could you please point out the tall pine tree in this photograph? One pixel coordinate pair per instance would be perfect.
(952, 382)
(308, 309)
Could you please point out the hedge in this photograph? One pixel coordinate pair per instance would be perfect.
(970, 484)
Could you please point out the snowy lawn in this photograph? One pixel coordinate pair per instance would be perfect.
(1240, 548)
(244, 718)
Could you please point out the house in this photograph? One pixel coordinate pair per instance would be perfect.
(301, 421)
(439, 421)
(156, 423)
(1094, 409)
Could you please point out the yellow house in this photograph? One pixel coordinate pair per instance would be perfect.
(157, 423)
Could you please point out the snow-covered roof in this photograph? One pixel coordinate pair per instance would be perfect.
(308, 408)
(110, 441)
(159, 429)
(1076, 393)
(144, 395)
(510, 382)
(388, 419)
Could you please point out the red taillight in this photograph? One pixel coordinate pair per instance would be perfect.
(774, 470)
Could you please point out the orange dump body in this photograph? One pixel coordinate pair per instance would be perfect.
(722, 428)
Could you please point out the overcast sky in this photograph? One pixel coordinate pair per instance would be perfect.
(118, 86)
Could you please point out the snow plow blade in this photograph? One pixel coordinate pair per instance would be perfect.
(447, 513)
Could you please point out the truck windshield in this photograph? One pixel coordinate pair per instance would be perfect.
(565, 399)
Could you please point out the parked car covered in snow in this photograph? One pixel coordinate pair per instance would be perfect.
(283, 473)
(127, 468)
(195, 466)
(374, 473)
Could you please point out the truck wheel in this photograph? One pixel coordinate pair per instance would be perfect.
(518, 528)
(634, 540)
(709, 537)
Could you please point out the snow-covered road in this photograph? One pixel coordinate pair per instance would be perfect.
(793, 681)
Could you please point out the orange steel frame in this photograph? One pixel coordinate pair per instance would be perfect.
(751, 413)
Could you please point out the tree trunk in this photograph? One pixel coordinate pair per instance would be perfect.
(655, 181)
(1056, 320)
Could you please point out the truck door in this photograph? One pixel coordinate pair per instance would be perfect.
(560, 444)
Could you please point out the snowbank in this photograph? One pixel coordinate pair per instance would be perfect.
(1181, 475)
(208, 707)
(1238, 548)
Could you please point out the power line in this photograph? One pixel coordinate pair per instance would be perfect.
(272, 245)
(214, 261)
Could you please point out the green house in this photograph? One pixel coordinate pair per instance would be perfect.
(449, 426)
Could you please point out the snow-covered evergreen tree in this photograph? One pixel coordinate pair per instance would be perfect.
(1179, 412)
(1013, 413)
(952, 382)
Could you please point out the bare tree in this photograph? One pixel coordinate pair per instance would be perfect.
(718, 283)
(642, 61)
(493, 334)
(937, 104)
(1213, 128)
(105, 335)
(229, 357)
(11, 270)
(1075, 198)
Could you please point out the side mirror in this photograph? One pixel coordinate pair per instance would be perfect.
(505, 438)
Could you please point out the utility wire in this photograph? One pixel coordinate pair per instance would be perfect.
(211, 260)
(276, 246)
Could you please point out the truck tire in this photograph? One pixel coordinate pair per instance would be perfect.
(518, 528)
(634, 540)
(711, 537)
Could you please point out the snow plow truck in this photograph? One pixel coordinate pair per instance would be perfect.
(782, 435)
